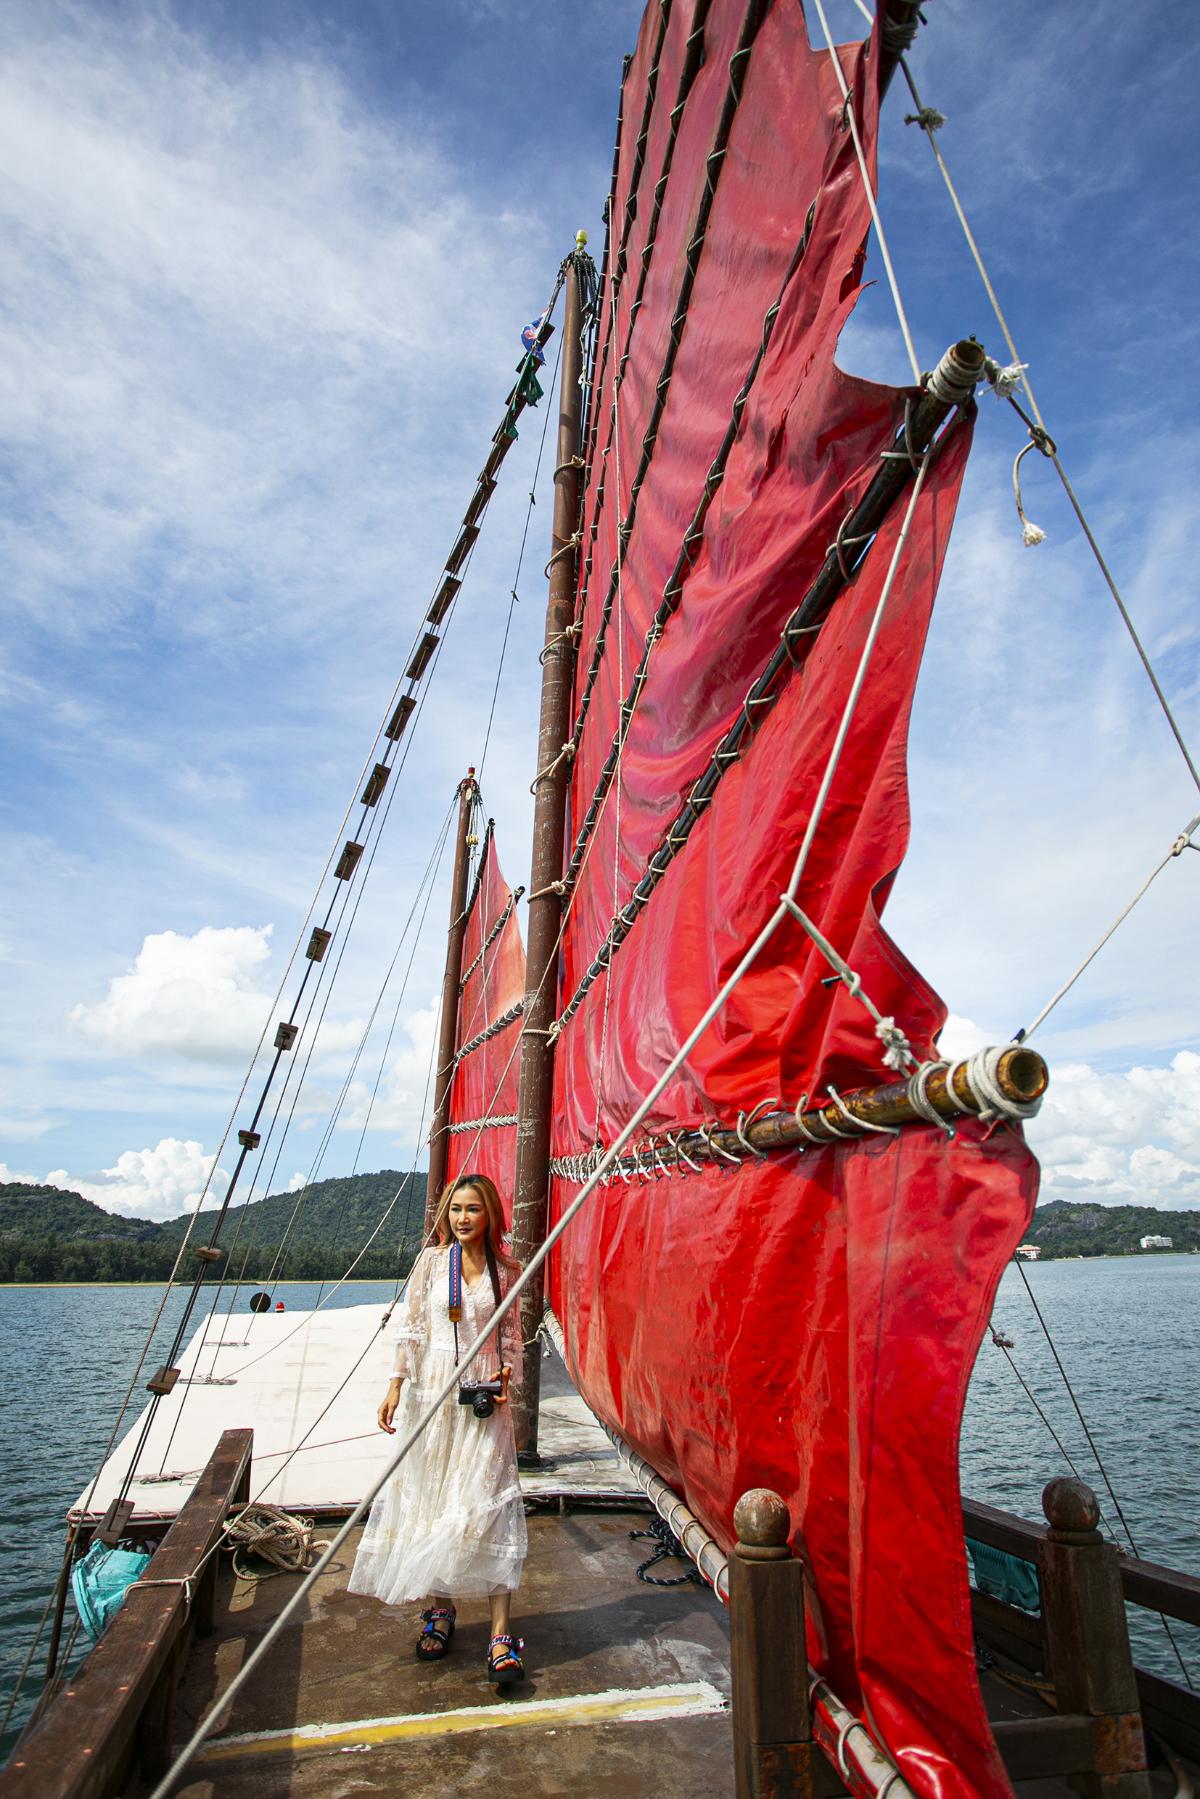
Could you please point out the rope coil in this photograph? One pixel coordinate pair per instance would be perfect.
(275, 1536)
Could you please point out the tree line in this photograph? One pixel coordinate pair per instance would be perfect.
(32, 1259)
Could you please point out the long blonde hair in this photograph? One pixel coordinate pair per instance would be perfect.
(490, 1195)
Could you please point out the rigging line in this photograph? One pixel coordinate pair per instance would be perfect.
(1182, 842)
(340, 901)
(924, 119)
(514, 410)
(515, 407)
(513, 1296)
(268, 1185)
(516, 581)
(322, 992)
(426, 886)
(404, 986)
(19, 1683)
(864, 171)
(1091, 1441)
(407, 1184)
(359, 894)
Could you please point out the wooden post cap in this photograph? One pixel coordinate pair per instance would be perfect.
(1070, 1505)
(761, 1519)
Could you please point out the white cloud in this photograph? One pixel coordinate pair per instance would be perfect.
(148, 1183)
(241, 275)
(1126, 1138)
(192, 996)
(297, 1181)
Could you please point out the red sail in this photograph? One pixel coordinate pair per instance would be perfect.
(483, 1098)
(808, 1322)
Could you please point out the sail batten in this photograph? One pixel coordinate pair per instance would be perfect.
(806, 1321)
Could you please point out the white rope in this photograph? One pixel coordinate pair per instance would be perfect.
(980, 1073)
(901, 315)
(1181, 843)
(897, 1052)
(607, 1162)
(860, 1124)
(918, 1097)
(1020, 369)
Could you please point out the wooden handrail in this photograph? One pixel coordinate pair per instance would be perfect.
(116, 1708)
(1145, 1583)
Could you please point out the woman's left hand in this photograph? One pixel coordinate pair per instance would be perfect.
(505, 1377)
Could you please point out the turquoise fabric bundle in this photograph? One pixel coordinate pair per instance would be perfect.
(100, 1580)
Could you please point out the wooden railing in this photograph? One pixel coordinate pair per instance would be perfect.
(115, 1711)
(1090, 1728)
(1168, 1708)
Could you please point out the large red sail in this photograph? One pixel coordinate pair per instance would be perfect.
(806, 1322)
(483, 1096)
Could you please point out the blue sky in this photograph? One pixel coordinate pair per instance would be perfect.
(264, 277)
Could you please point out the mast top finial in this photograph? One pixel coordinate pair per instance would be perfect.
(580, 239)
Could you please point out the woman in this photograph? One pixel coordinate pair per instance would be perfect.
(451, 1520)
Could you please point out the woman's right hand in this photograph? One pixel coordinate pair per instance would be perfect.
(387, 1410)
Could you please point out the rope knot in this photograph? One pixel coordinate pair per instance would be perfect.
(1004, 381)
(929, 118)
(897, 1051)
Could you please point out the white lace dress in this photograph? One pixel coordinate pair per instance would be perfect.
(451, 1519)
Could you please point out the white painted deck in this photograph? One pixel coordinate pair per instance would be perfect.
(316, 1447)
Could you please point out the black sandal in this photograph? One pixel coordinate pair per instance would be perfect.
(505, 1668)
(434, 1641)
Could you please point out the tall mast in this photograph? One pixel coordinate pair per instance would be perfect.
(531, 1183)
(439, 1142)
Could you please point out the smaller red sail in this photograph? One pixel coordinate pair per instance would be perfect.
(483, 1098)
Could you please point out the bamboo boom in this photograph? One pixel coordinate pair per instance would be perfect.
(1021, 1075)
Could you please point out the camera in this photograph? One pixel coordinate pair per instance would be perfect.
(481, 1397)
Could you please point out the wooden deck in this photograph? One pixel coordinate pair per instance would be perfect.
(627, 1685)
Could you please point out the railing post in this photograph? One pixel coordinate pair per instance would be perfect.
(774, 1754)
(1087, 1640)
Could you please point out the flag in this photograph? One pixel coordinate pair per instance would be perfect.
(529, 337)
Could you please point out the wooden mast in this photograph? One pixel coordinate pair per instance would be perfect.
(531, 1181)
(439, 1142)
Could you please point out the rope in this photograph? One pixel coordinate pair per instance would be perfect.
(571, 1211)
(852, 123)
(979, 1072)
(516, 580)
(659, 1532)
(274, 1536)
(1091, 1442)
(1018, 370)
(1181, 843)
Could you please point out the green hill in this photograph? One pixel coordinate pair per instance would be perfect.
(27, 1211)
(50, 1235)
(1065, 1227)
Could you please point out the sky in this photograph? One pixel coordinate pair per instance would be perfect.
(264, 277)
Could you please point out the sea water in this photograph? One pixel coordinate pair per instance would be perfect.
(1124, 1328)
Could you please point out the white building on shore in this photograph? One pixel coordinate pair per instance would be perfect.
(1152, 1243)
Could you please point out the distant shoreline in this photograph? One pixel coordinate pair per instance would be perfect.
(380, 1280)
(368, 1280)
